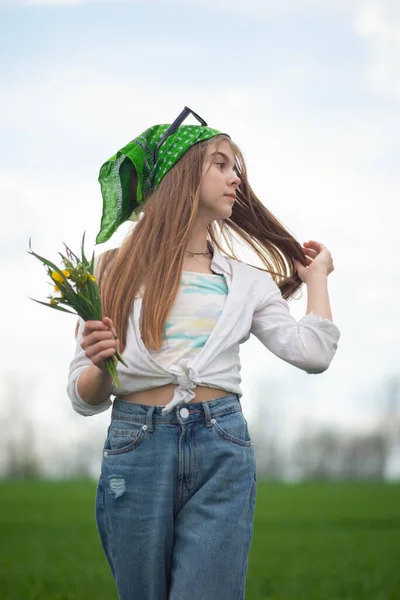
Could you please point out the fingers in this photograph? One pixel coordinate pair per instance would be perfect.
(309, 252)
(110, 325)
(313, 244)
(313, 248)
(95, 336)
(98, 341)
(315, 252)
(309, 255)
(105, 325)
(99, 357)
(94, 326)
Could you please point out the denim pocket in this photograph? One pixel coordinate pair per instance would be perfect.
(123, 437)
(233, 428)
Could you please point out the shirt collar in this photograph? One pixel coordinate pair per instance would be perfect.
(219, 260)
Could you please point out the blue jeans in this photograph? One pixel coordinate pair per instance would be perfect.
(175, 500)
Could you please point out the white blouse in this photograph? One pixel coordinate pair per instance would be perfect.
(254, 304)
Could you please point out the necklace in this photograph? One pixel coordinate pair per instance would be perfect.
(191, 254)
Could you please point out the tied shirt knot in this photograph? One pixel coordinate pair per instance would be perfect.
(186, 376)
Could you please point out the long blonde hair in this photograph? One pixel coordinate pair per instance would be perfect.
(152, 254)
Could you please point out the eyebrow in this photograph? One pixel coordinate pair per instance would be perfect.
(224, 156)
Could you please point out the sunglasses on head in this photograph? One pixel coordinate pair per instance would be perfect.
(174, 126)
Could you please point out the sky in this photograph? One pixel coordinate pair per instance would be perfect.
(309, 90)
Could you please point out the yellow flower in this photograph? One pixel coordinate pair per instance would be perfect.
(58, 278)
(92, 277)
(53, 301)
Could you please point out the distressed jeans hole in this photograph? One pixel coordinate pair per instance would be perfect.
(117, 486)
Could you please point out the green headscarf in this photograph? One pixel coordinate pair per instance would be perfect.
(151, 155)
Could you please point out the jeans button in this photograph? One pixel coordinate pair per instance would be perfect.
(184, 413)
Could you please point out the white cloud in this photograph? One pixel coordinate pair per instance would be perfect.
(58, 2)
(379, 24)
(252, 8)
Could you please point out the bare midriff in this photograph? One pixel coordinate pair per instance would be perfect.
(161, 396)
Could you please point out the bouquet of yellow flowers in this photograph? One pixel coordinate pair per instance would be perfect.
(75, 286)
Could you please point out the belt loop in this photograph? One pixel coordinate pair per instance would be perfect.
(149, 418)
(207, 414)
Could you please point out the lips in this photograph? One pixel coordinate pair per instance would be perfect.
(233, 196)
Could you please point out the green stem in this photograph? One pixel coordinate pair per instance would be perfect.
(119, 357)
(110, 362)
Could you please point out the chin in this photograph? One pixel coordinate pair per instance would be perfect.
(227, 213)
(222, 214)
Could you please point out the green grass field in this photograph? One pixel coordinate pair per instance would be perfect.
(311, 541)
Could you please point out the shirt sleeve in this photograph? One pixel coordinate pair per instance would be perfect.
(79, 363)
(309, 344)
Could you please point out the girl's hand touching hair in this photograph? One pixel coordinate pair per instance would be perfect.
(318, 258)
(99, 341)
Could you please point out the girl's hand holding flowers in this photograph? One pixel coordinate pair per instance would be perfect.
(318, 258)
(99, 342)
(75, 286)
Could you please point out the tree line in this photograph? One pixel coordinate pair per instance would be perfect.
(316, 452)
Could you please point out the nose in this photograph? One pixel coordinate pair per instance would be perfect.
(235, 180)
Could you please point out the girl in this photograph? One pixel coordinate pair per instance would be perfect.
(176, 495)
